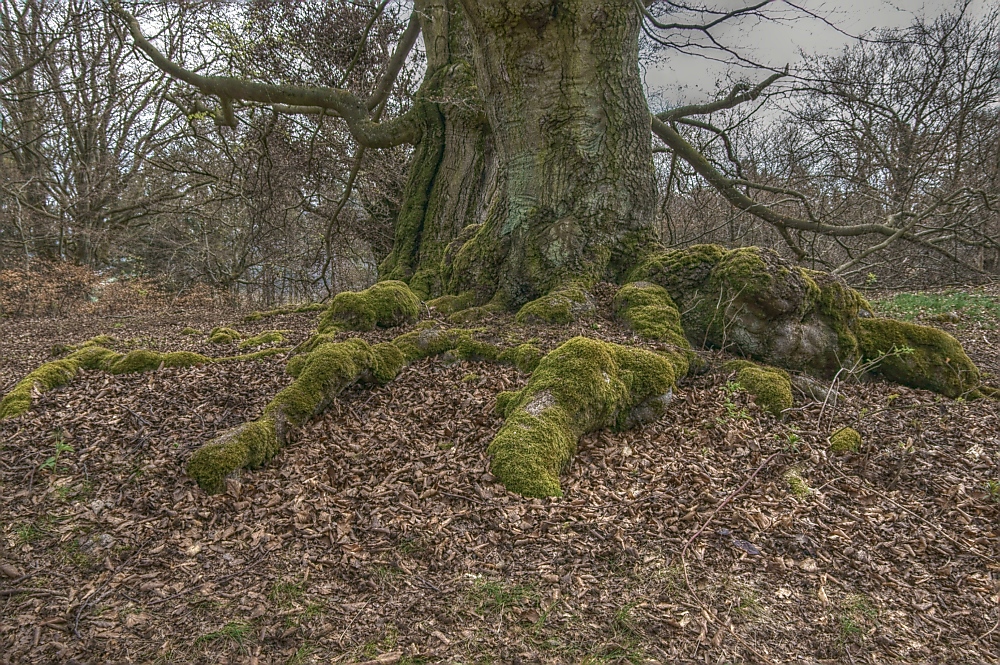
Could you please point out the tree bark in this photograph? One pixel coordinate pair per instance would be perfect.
(573, 195)
(453, 164)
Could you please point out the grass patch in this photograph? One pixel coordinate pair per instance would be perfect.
(856, 617)
(969, 306)
(285, 593)
(234, 631)
(495, 597)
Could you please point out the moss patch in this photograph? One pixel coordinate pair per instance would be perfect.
(770, 387)
(266, 337)
(99, 340)
(451, 304)
(192, 332)
(223, 335)
(845, 440)
(386, 304)
(248, 446)
(917, 356)
(143, 360)
(583, 385)
(560, 306)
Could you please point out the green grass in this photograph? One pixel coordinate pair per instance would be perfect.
(235, 631)
(496, 597)
(284, 593)
(970, 306)
(857, 615)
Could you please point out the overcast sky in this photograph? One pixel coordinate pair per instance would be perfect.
(688, 79)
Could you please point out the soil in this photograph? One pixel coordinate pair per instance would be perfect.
(718, 534)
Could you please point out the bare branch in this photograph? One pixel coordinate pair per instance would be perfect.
(345, 104)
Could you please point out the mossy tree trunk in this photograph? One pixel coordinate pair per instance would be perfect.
(453, 165)
(572, 193)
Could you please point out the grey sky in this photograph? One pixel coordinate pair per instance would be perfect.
(684, 79)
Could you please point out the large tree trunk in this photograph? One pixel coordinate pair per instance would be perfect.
(572, 195)
(575, 192)
(453, 165)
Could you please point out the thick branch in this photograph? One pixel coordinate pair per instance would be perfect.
(738, 95)
(342, 102)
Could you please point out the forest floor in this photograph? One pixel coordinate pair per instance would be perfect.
(718, 534)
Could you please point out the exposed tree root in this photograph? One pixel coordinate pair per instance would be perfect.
(94, 356)
(582, 386)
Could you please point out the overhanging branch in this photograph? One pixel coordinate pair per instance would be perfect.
(342, 103)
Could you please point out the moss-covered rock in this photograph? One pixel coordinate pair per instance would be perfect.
(191, 332)
(266, 337)
(845, 440)
(223, 335)
(755, 303)
(917, 356)
(386, 305)
(560, 306)
(770, 387)
(583, 385)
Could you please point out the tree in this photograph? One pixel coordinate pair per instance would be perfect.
(531, 181)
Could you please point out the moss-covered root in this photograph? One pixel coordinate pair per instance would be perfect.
(770, 387)
(649, 310)
(321, 375)
(59, 373)
(461, 344)
(266, 337)
(386, 304)
(583, 385)
(917, 356)
(223, 335)
(560, 306)
(248, 446)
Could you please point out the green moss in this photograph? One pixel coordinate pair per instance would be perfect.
(266, 337)
(425, 282)
(290, 309)
(797, 485)
(327, 370)
(320, 375)
(845, 440)
(223, 335)
(188, 330)
(451, 304)
(388, 361)
(144, 360)
(680, 271)
(582, 386)
(917, 356)
(770, 387)
(524, 356)
(386, 304)
(473, 314)
(248, 446)
(295, 365)
(99, 340)
(650, 311)
(560, 306)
